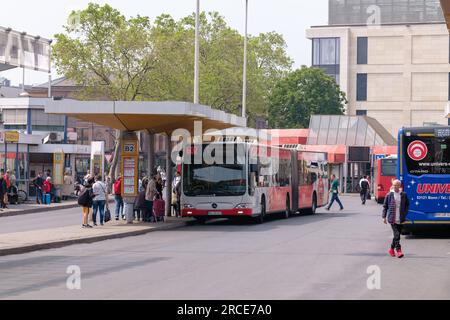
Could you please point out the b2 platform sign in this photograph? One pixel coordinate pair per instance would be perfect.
(130, 168)
(58, 168)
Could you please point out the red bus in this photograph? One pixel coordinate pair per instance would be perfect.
(258, 181)
(385, 171)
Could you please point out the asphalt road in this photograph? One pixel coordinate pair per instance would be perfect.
(326, 256)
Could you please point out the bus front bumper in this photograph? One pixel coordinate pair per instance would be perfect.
(186, 213)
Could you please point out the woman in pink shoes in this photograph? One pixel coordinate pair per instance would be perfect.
(395, 209)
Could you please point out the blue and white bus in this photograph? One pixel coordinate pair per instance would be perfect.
(424, 169)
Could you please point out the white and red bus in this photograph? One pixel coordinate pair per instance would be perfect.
(385, 170)
(256, 181)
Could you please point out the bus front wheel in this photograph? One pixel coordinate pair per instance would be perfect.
(260, 219)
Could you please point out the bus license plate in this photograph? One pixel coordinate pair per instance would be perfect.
(214, 213)
(443, 215)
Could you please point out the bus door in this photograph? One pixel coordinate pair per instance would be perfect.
(295, 181)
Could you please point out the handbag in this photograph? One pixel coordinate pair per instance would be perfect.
(107, 215)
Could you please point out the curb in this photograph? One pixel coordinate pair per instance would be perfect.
(38, 210)
(65, 243)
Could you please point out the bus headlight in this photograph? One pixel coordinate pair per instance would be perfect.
(243, 206)
(188, 206)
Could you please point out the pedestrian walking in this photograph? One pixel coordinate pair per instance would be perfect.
(117, 189)
(395, 209)
(3, 191)
(334, 193)
(85, 200)
(100, 200)
(364, 186)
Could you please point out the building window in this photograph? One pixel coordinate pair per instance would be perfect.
(448, 87)
(361, 112)
(361, 87)
(326, 56)
(362, 50)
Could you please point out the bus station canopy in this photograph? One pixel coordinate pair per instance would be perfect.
(156, 117)
(445, 4)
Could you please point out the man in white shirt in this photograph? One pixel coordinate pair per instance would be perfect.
(364, 186)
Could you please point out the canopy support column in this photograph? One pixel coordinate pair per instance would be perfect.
(169, 174)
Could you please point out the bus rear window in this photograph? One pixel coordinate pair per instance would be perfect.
(389, 168)
(427, 155)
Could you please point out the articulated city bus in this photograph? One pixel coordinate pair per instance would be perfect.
(424, 169)
(249, 180)
(385, 170)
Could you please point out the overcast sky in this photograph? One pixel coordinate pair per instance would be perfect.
(288, 17)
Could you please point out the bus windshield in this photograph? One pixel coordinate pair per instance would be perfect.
(436, 160)
(223, 175)
(214, 180)
(388, 167)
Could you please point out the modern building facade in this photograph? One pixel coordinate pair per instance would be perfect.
(391, 58)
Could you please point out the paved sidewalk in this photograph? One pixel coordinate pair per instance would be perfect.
(33, 207)
(22, 242)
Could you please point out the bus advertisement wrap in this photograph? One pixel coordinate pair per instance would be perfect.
(424, 169)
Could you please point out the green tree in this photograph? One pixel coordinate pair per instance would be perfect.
(117, 58)
(304, 92)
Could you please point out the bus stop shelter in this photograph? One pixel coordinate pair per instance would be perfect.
(153, 117)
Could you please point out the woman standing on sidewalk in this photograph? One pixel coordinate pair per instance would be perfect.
(99, 202)
(86, 201)
(395, 209)
(3, 191)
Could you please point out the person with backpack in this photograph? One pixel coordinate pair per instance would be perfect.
(395, 209)
(364, 186)
(117, 188)
(38, 183)
(100, 200)
(85, 200)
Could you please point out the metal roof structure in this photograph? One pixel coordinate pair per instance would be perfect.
(156, 117)
(349, 131)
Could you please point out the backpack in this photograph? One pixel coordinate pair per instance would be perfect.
(85, 198)
(117, 187)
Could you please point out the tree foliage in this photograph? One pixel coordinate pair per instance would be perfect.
(117, 58)
(304, 92)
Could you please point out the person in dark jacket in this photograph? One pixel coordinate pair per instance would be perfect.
(3, 191)
(395, 209)
(38, 182)
(364, 186)
(140, 207)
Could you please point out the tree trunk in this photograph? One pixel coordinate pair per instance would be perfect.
(113, 171)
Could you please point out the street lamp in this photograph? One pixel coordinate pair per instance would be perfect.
(244, 78)
(197, 55)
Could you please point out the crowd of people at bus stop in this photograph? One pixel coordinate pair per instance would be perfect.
(8, 188)
(148, 207)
